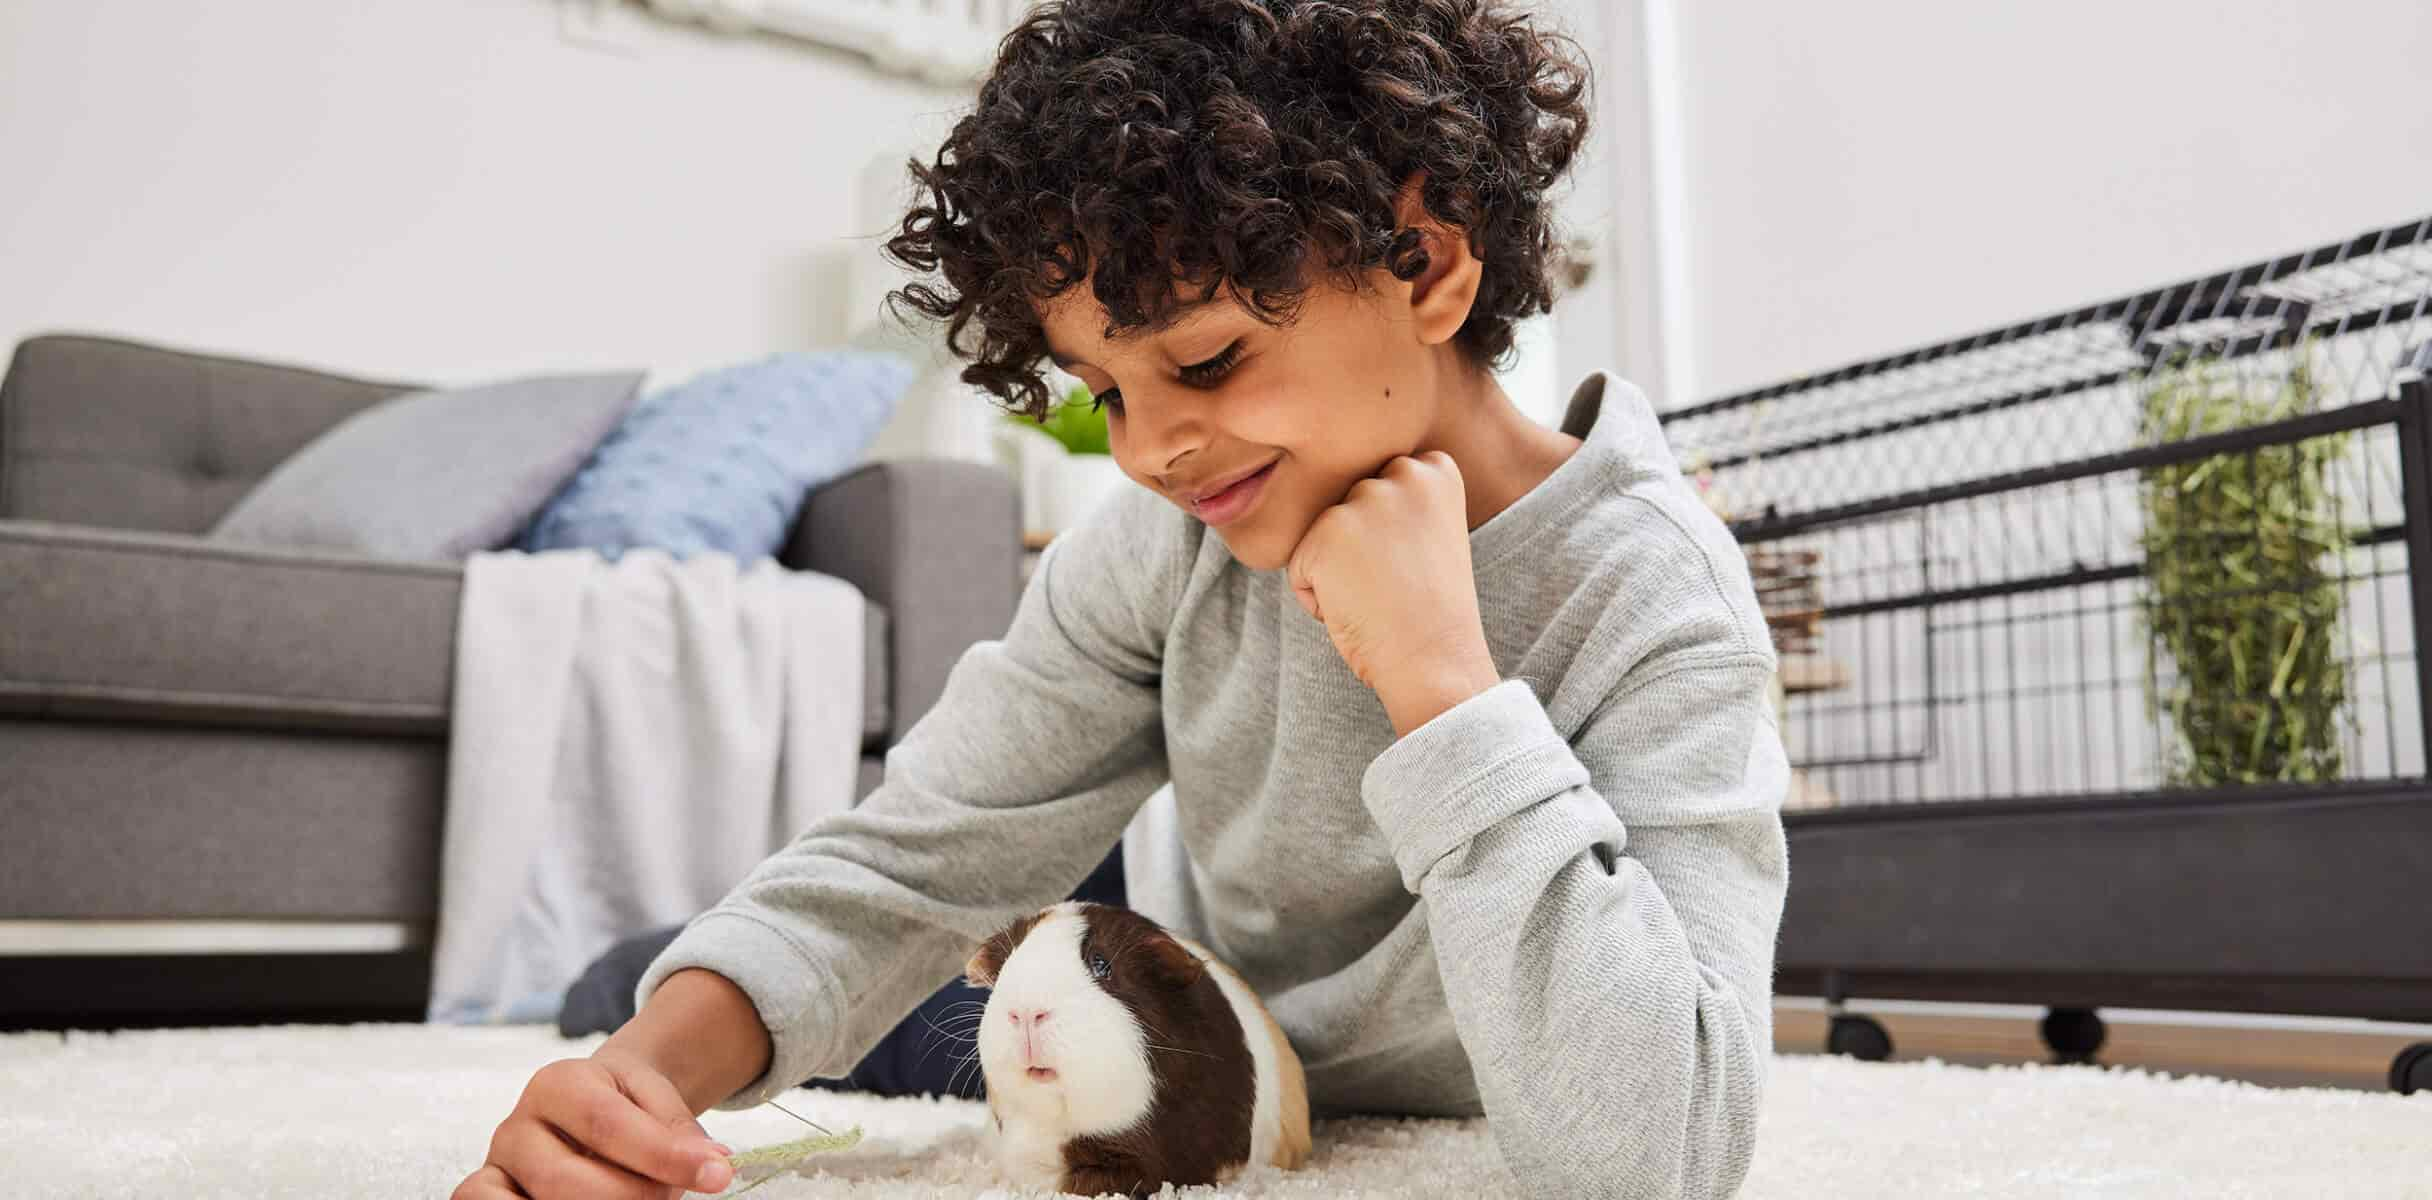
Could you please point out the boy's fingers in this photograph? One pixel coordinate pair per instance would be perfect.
(608, 1124)
(660, 1099)
(1308, 600)
(655, 1094)
(547, 1168)
(1300, 570)
(488, 1183)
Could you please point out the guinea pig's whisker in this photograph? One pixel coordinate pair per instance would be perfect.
(1178, 1050)
(968, 1062)
(943, 1037)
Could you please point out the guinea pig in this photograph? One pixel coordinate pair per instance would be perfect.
(1121, 1058)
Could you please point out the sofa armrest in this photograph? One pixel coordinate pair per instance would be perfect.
(935, 543)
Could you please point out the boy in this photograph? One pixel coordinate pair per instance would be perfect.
(1466, 718)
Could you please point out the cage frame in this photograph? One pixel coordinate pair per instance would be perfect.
(2161, 897)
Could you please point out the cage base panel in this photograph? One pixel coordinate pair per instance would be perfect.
(2375, 999)
(2312, 904)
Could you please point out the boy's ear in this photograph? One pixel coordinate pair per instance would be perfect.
(1442, 294)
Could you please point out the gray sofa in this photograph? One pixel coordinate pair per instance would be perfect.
(252, 743)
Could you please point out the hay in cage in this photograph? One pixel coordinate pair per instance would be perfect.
(1787, 592)
(2242, 553)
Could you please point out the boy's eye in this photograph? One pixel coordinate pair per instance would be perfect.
(1098, 966)
(1207, 372)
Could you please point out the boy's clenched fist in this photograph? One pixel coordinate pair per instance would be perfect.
(1388, 572)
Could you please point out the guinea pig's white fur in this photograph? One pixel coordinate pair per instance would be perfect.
(1092, 1042)
(1104, 1083)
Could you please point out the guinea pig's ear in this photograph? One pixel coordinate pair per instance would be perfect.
(986, 962)
(1169, 964)
(990, 957)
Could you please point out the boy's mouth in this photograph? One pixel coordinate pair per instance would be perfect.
(1232, 499)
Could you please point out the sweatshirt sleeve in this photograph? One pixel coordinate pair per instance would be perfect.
(1610, 979)
(997, 802)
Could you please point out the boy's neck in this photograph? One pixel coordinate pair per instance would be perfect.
(1503, 454)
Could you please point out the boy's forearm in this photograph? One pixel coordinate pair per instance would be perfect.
(700, 1031)
(1663, 1021)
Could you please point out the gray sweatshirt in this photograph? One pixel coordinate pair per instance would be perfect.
(1555, 903)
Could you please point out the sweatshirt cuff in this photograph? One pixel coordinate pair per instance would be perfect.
(1475, 764)
(798, 1001)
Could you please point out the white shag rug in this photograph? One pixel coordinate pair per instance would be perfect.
(391, 1111)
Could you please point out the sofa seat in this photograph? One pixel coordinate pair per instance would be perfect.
(108, 625)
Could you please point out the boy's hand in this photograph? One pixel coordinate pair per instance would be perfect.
(1388, 572)
(607, 1125)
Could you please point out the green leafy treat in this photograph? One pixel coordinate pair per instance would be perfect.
(785, 1156)
(2243, 563)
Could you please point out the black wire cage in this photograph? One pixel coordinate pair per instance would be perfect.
(2100, 650)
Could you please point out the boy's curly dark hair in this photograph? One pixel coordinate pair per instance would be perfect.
(1252, 147)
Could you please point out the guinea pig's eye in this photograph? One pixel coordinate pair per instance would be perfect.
(1098, 966)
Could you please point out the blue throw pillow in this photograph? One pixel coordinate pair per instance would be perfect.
(722, 461)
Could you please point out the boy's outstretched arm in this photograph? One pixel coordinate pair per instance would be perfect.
(1611, 982)
(998, 801)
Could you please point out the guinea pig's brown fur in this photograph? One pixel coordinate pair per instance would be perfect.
(1120, 1058)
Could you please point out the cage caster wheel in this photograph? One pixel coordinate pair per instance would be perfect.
(1861, 1038)
(2411, 1071)
(2073, 1034)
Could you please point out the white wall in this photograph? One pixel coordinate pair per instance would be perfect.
(436, 190)
(1863, 177)
(1603, 203)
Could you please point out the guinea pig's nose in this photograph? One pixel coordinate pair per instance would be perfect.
(1037, 1016)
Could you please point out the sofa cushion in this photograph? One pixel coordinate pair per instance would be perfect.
(96, 431)
(111, 625)
(721, 462)
(435, 476)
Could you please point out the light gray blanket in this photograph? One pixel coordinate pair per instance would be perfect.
(630, 739)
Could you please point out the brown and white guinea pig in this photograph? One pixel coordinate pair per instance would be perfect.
(1121, 1058)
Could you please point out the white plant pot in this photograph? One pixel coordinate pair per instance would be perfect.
(1059, 487)
(1075, 484)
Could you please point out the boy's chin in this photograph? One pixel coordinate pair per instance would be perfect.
(1256, 547)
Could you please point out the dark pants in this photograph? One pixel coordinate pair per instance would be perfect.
(925, 1054)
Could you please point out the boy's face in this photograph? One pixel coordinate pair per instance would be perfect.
(1257, 429)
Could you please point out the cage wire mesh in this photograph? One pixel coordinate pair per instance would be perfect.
(2161, 542)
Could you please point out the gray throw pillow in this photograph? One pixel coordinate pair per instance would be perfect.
(435, 475)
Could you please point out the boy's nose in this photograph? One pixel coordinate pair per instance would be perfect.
(1160, 433)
